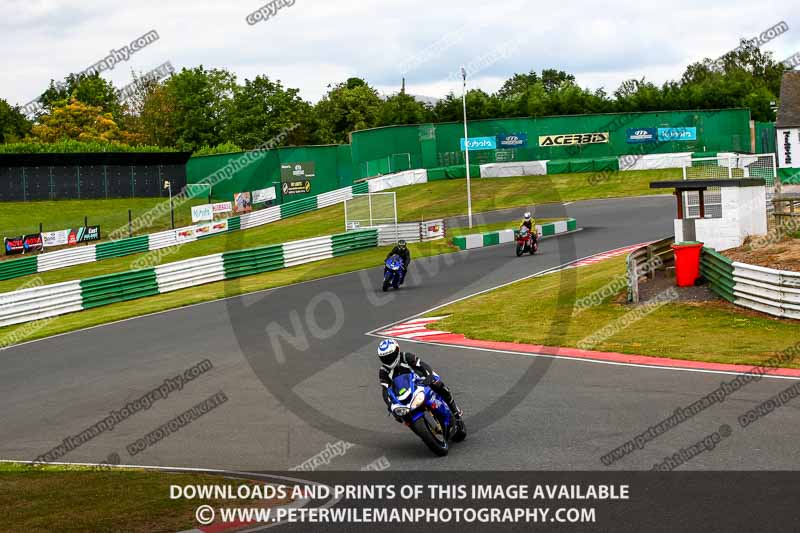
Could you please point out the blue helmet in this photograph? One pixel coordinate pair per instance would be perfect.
(388, 352)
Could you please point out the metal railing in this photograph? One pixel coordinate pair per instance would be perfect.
(645, 261)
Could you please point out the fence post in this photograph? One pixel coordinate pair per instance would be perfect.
(633, 280)
(85, 221)
(130, 223)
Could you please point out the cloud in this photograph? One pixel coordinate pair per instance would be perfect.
(314, 43)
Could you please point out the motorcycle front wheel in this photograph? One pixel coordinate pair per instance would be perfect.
(520, 249)
(432, 434)
(385, 284)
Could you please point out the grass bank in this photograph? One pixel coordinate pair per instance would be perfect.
(704, 331)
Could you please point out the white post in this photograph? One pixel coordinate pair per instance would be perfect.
(466, 144)
(369, 197)
(396, 229)
(730, 167)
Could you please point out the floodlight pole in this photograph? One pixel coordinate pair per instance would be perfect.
(466, 144)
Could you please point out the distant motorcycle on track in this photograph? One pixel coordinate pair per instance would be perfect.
(527, 241)
(393, 273)
(424, 411)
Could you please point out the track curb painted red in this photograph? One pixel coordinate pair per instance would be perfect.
(417, 330)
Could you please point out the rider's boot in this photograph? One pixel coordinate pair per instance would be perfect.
(457, 411)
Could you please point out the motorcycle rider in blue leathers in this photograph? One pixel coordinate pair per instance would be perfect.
(395, 363)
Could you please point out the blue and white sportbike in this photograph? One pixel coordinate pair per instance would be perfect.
(393, 272)
(424, 411)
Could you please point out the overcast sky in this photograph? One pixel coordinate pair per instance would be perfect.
(313, 43)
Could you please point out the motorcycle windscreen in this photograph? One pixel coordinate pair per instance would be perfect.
(394, 262)
(404, 387)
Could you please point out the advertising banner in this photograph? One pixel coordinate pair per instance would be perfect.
(55, 238)
(32, 243)
(677, 134)
(242, 203)
(87, 234)
(210, 228)
(641, 135)
(202, 212)
(71, 237)
(480, 143)
(570, 139)
(222, 207)
(789, 148)
(296, 178)
(264, 195)
(14, 245)
(185, 234)
(516, 140)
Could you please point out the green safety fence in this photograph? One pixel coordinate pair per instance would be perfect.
(106, 250)
(718, 270)
(298, 207)
(253, 261)
(18, 267)
(345, 243)
(111, 288)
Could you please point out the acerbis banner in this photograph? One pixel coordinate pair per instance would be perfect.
(677, 134)
(515, 140)
(480, 143)
(296, 177)
(570, 139)
(641, 135)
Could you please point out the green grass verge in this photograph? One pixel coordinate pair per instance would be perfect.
(78, 499)
(711, 331)
(372, 258)
(446, 198)
(18, 218)
(431, 200)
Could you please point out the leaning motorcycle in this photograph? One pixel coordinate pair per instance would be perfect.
(527, 241)
(424, 411)
(392, 272)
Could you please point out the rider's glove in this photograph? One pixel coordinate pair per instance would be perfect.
(429, 380)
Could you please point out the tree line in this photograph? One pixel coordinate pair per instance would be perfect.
(209, 111)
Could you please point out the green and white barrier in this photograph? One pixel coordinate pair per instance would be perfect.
(163, 239)
(53, 300)
(480, 240)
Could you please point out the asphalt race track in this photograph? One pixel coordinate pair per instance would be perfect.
(300, 375)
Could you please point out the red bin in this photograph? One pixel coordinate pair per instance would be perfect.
(687, 262)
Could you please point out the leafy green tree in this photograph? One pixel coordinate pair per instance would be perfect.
(402, 108)
(92, 90)
(261, 109)
(197, 102)
(13, 124)
(552, 79)
(517, 85)
(347, 107)
(78, 121)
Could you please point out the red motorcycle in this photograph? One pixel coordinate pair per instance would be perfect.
(527, 241)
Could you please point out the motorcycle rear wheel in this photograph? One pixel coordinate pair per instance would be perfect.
(425, 430)
(461, 431)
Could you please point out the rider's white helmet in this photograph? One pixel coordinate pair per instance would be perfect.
(388, 352)
(527, 215)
